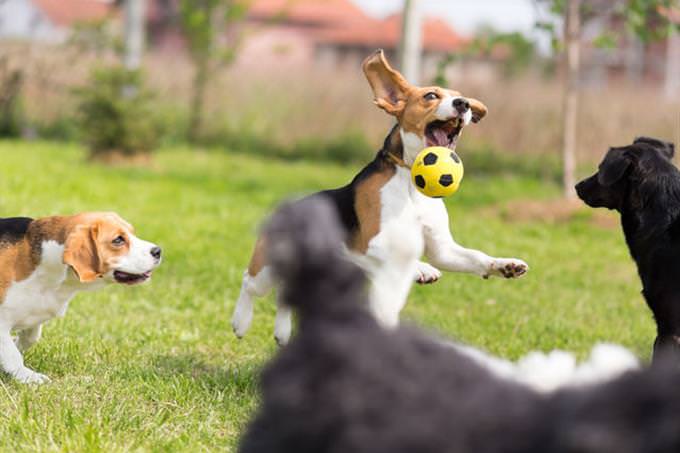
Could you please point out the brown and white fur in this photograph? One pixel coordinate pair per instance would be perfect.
(382, 197)
(45, 262)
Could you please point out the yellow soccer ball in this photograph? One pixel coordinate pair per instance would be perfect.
(437, 172)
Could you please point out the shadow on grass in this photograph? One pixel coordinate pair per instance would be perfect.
(241, 379)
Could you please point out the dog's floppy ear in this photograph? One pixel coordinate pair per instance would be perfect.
(667, 148)
(613, 167)
(390, 88)
(80, 252)
(479, 110)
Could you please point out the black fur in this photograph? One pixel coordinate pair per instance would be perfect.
(13, 229)
(346, 385)
(641, 182)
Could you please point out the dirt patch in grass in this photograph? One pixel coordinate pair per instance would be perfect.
(117, 158)
(554, 211)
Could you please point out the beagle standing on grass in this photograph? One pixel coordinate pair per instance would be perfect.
(382, 197)
(45, 262)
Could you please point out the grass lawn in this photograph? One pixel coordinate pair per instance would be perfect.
(156, 367)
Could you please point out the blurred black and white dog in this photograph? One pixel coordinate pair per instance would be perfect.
(346, 385)
(641, 182)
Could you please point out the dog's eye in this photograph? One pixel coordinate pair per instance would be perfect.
(431, 96)
(120, 240)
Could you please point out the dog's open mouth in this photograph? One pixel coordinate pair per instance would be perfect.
(131, 279)
(443, 133)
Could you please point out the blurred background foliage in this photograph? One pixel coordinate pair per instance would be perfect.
(206, 80)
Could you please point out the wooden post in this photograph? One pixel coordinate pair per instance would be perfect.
(411, 41)
(572, 41)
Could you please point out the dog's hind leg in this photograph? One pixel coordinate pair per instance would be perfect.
(28, 337)
(253, 286)
(390, 261)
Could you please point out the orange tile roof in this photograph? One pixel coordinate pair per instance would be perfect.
(314, 11)
(67, 12)
(437, 35)
(342, 22)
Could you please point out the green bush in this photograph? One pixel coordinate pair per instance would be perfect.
(116, 113)
(11, 111)
(63, 128)
(484, 159)
(352, 146)
(349, 147)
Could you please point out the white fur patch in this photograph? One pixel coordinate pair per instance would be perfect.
(556, 369)
(42, 296)
(446, 110)
(413, 144)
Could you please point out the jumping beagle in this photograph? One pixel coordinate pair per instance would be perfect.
(382, 196)
(45, 262)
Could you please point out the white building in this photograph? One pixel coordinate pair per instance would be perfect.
(48, 20)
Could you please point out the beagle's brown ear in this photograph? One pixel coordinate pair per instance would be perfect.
(390, 88)
(80, 252)
(478, 110)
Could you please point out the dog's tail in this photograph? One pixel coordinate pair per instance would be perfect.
(306, 254)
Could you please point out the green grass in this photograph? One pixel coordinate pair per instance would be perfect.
(156, 367)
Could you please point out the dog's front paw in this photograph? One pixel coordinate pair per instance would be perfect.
(28, 376)
(426, 273)
(508, 268)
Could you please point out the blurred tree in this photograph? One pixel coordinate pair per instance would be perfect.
(572, 32)
(94, 37)
(519, 52)
(642, 18)
(204, 24)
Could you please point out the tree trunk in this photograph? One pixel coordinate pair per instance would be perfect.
(134, 33)
(411, 41)
(197, 101)
(672, 84)
(134, 42)
(572, 41)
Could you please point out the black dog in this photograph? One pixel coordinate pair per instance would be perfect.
(346, 385)
(641, 182)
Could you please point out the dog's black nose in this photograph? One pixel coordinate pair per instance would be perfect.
(156, 252)
(461, 105)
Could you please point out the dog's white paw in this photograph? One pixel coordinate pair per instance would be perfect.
(241, 320)
(426, 273)
(508, 268)
(28, 376)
